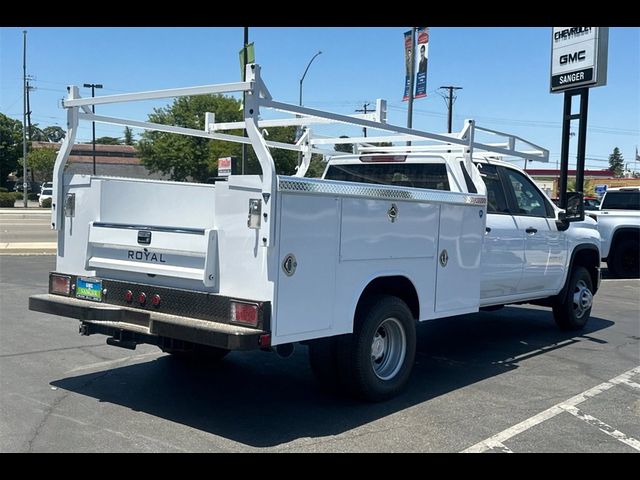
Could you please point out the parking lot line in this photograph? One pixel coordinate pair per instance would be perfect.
(603, 427)
(500, 438)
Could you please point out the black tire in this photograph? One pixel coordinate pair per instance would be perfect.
(197, 353)
(624, 262)
(323, 362)
(383, 322)
(572, 312)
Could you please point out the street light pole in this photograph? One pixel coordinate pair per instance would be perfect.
(305, 73)
(93, 87)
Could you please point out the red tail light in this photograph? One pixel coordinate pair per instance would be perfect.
(142, 298)
(245, 313)
(128, 296)
(60, 284)
(155, 300)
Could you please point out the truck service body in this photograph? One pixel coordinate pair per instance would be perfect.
(346, 266)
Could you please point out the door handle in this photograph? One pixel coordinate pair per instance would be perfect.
(531, 230)
(487, 230)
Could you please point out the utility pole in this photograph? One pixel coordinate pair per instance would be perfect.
(24, 118)
(364, 110)
(452, 99)
(244, 96)
(93, 87)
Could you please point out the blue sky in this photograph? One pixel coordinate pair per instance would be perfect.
(504, 73)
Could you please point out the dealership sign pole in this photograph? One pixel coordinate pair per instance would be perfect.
(578, 62)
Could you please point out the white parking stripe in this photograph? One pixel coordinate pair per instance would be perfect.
(500, 447)
(110, 363)
(630, 383)
(603, 427)
(551, 412)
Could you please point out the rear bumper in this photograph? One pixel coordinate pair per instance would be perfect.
(147, 326)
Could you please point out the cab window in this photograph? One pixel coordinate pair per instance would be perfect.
(418, 175)
(496, 199)
(528, 199)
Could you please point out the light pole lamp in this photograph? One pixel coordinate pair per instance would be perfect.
(93, 87)
(305, 73)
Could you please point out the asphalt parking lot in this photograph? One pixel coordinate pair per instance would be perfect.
(504, 381)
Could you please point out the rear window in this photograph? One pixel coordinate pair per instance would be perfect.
(621, 201)
(417, 175)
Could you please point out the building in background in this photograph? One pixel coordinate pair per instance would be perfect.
(548, 179)
(111, 160)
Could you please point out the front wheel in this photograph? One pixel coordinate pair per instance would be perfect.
(376, 360)
(574, 311)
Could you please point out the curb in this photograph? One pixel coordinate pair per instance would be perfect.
(28, 248)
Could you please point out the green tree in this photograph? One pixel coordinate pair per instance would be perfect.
(344, 147)
(588, 187)
(54, 134)
(108, 141)
(193, 158)
(10, 146)
(41, 162)
(616, 163)
(316, 167)
(128, 136)
(36, 134)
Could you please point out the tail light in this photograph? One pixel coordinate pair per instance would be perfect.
(142, 298)
(244, 313)
(128, 296)
(60, 284)
(155, 300)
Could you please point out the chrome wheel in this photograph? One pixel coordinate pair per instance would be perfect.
(388, 349)
(582, 299)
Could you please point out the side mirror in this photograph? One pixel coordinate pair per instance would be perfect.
(575, 207)
(574, 211)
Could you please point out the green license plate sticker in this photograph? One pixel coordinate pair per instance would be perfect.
(89, 289)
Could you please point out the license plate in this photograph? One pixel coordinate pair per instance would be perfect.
(89, 289)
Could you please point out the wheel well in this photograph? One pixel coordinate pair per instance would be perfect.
(624, 234)
(589, 259)
(397, 286)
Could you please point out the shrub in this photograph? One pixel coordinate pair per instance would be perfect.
(32, 196)
(46, 203)
(2, 190)
(7, 200)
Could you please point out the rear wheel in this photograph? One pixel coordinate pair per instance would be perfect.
(574, 311)
(625, 260)
(375, 362)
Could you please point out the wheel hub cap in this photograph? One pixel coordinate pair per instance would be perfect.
(582, 299)
(388, 349)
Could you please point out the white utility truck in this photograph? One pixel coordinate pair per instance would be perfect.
(619, 226)
(347, 264)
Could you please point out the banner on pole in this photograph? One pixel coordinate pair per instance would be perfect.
(408, 55)
(421, 62)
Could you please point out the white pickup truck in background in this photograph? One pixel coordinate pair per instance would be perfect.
(619, 225)
(347, 264)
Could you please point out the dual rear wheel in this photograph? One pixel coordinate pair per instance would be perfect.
(375, 361)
